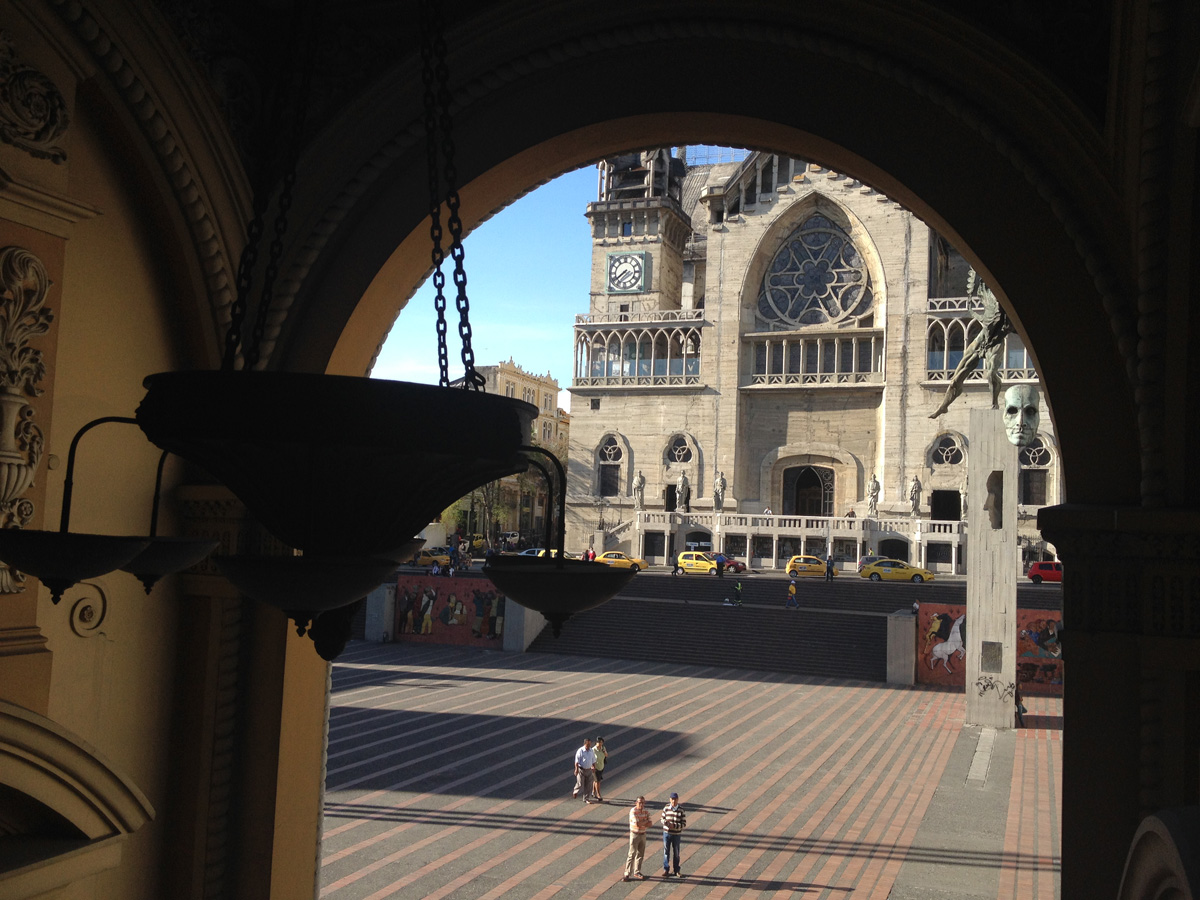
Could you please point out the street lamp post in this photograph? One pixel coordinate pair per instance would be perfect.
(601, 506)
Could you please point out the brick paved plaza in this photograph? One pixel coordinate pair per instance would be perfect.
(449, 775)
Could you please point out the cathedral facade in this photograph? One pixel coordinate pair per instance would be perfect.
(766, 343)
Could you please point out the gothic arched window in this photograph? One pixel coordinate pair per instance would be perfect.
(608, 458)
(817, 277)
(947, 451)
(679, 451)
(1033, 486)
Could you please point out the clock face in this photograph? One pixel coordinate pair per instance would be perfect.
(625, 272)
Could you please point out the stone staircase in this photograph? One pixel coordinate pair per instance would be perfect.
(840, 630)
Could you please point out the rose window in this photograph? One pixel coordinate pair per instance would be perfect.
(818, 277)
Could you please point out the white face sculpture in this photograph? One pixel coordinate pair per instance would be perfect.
(1021, 414)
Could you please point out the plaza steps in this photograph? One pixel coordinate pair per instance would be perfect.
(840, 630)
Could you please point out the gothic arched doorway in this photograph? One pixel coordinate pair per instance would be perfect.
(808, 491)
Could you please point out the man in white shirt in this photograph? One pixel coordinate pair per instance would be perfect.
(585, 771)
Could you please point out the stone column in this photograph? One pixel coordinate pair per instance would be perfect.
(1131, 657)
(991, 623)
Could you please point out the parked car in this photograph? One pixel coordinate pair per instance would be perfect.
(693, 561)
(895, 570)
(567, 554)
(867, 560)
(532, 551)
(1045, 571)
(807, 565)
(427, 556)
(736, 566)
(621, 561)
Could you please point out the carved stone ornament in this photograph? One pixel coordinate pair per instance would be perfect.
(33, 113)
(23, 315)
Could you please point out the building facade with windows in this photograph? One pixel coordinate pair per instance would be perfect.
(523, 498)
(766, 338)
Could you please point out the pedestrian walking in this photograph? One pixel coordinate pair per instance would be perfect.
(673, 823)
(585, 771)
(829, 567)
(601, 751)
(721, 560)
(639, 824)
(792, 602)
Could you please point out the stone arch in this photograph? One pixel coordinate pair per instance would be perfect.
(357, 251)
(770, 473)
(1040, 169)
(59, 789)
(499, 179)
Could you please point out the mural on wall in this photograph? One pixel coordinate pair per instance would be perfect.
(941, 647)
(1039, 651)
(443, 610)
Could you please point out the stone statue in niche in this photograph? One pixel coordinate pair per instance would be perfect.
(683, 494)
(719, 492)
(23, 315)
(914, 496)
(988, 345)
(1021, 414)
(873, 497)
(639, 491)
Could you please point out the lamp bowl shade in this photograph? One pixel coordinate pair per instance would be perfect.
(167, 555)
(303, 586)
(60, 559)
(335, 465)
(556, 587)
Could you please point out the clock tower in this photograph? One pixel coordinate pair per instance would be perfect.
(638, 235)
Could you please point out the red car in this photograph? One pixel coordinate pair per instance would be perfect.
(1045, 571)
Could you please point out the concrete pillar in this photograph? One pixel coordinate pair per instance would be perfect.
(991, 638)
(902, 647)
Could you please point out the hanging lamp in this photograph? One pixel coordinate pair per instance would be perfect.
(348, 497)
(553, 585)
(61, 559)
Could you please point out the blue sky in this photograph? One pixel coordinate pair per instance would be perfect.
(528, 275)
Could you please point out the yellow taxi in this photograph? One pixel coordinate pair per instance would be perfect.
(621, 561)
(807, 565)
(427, 556)
(895, 570)
(696, 561)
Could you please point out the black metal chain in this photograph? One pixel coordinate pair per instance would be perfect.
(307, 49)
(263, 180)
(431, 36)
(435, 71)
(245, 279)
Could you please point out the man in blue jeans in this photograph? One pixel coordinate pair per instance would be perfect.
(673, 823)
